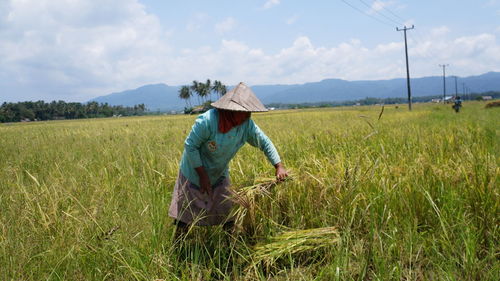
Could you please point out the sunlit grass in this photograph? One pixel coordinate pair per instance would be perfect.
(409, 195)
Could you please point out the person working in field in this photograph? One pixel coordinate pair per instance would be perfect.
(457, 104)
(201, 191)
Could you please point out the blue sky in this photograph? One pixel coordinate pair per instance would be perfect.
(75, 50)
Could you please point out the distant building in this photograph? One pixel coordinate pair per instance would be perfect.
(487, 97)
(199, 110)
(449, 99)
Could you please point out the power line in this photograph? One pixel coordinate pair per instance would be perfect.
(417, 37)
(366, 14)
(383, 7)
(376, 11)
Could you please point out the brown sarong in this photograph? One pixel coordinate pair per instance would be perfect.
(190, 206)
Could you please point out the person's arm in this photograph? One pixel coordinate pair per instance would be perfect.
(200, 133)
(257, 138)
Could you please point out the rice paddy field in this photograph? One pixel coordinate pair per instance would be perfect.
(392, 195)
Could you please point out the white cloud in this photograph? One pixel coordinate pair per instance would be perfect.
(304, 62)
(271, 3)
(76, 50)
(301, 62)
(466, 55)
(440, 31)
(292, 20)
(379, 5)
(226, 25)
(197, 22)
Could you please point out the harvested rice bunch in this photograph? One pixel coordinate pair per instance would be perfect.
(292, 242)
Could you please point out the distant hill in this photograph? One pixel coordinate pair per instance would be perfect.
(163, 97)
(341, 90)
(155, 97)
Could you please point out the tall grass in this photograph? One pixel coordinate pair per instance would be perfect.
(412, 195)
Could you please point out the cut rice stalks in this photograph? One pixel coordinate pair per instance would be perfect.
(293, 242)
(246, 201)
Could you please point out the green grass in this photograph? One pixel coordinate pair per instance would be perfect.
(412, 196)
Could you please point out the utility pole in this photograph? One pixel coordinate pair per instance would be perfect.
(456, 89)
(407, 67)
(444, 80)
(463, 87)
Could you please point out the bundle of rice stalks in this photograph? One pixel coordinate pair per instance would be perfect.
(293, 242)
(246, 199)
(492, 104)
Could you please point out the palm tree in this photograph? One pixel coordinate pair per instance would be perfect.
(185, 94)
(215, 87)
(204, 91)
(195, 88)
(219, 88)
(208, 88)
(201, 89)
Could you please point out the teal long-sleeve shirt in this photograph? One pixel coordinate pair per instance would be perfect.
(206, 146)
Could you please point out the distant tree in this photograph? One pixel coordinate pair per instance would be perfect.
(196, 88)
(40, 110)
(208, 89)
(142, 107)
(219, 88)
(185, 94)
(204, 90)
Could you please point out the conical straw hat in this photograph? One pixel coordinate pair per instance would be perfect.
(241, 98)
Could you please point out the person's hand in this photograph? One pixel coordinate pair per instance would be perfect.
(281, 172)
(205, 185)
(204, 181)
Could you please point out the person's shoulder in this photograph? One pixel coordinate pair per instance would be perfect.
(207, 115)
(207, 119)
(250, 124)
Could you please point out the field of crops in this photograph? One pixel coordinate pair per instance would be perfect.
(393, 196)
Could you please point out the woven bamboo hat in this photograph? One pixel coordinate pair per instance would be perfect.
(241, 98)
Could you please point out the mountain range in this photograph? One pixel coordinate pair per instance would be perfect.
(164, 97)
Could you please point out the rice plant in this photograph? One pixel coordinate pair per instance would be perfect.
(375, 195)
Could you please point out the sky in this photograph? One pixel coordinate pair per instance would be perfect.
(75, 50)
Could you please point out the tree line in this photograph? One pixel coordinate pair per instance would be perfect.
(40, 110)
(372, 101)
(203, 92)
